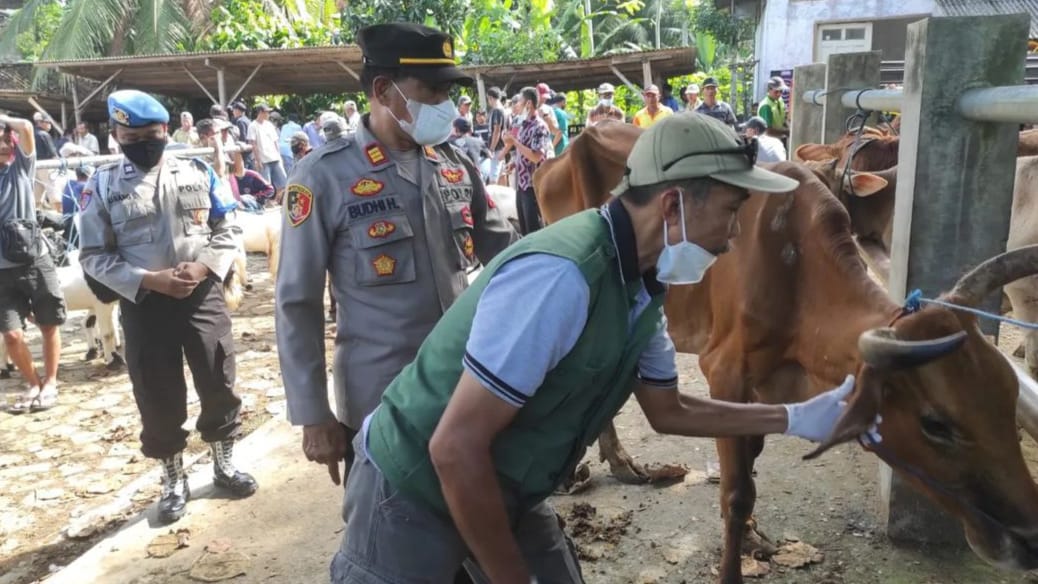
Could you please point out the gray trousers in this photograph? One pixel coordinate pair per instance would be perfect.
(390, 539)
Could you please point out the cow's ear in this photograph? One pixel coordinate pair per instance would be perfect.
(815, 152)
(860, 414)
(863, 184)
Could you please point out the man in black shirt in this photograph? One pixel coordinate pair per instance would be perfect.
(45, 149)
(472, 146)
(498, 127)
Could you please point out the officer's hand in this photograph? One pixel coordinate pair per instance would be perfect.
(191, 271)
(326, 444)
(168, 283)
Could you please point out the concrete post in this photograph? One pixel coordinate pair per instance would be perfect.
(807, 118)
(954, 192)
(846, 71)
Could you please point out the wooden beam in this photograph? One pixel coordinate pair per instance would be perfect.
(104, 84)
(626, 81)
(245, 83)
(646, 73)
(349, 70)
(200, 86)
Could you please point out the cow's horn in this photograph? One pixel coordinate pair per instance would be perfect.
(881, 349)
(995, 273)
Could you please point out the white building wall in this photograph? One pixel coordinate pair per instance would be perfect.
(787, 30)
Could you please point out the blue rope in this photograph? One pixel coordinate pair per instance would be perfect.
(915, 301)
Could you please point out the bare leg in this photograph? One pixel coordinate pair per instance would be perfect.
(20, 355)
(51, 353)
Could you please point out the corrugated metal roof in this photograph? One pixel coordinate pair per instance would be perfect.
(988, 8)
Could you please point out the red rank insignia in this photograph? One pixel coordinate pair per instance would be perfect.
(376, 155)
(381, 229)
(453, 175)
(367, 187)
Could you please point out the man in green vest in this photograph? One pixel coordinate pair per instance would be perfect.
(773, 110)
(523, 371)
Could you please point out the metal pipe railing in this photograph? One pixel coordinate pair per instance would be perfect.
(56, 163)
(883, 100)
(1017, 104)
(1027, 401)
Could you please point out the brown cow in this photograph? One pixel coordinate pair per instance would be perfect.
(583, 175)
(780, 318)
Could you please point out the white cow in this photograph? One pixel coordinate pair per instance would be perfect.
(1023, 230)
(261, 233)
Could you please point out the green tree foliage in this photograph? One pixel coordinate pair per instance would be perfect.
(447, 15)
(503, 31)
(250, 24)
(32, 41)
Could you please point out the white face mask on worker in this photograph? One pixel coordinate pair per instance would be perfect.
(683, 262)
(430, 124)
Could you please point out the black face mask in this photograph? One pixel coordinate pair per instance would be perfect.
(145, 153)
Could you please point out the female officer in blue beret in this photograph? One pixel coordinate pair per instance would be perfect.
(158, 231)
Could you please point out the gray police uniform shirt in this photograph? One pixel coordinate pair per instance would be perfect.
(135, 220)
(397, 234)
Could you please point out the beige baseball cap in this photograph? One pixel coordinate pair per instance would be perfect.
(691, 145)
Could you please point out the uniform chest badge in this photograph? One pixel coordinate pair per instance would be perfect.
(299, 202)
(367, 187)
(84, 198)
(469, 247)
(430, 153)
(376, 156)
(199, 216)
(453, 175)
(466, 215)
(381, 229)
(384, 265)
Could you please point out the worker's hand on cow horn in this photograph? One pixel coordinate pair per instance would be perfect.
(326, 443)
(815, 419)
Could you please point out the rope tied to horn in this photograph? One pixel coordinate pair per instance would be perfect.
(915, 301)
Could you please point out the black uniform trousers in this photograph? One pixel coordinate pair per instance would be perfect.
(160, 332)
(529, 212)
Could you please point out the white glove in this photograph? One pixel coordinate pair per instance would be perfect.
(814, 419)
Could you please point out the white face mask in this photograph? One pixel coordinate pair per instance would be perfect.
(606, 101)
(430, 124)
(683, 262)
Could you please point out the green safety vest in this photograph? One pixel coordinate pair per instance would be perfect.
(773, 111)
(550, 433)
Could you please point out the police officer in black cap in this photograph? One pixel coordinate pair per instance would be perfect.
(396, 216)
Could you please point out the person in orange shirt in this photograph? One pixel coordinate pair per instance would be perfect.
(653, 110)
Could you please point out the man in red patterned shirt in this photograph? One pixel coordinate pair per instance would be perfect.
(532, 147)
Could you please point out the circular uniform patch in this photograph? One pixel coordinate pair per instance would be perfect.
(299, 202)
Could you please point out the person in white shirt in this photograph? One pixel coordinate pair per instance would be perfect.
(85, 139)
(263, 137)
(769, 149)
(352, 116)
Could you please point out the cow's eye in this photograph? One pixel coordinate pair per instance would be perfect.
(936, 429)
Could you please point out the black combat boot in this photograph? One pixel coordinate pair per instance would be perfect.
(240, 484)
(175, 491)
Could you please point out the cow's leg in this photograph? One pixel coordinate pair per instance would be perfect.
(1023, 294)
(738, 494)
(106, 325)
(90, 332)
(621, 465)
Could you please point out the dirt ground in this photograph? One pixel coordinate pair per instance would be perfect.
(58, 467)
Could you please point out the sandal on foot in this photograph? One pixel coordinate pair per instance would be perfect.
(25, 400)
(47, 399)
